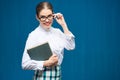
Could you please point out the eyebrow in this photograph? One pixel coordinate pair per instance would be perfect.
(45, 15)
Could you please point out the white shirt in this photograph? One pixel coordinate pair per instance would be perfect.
(57, 41)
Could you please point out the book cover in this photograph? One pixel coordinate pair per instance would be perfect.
(40, 53)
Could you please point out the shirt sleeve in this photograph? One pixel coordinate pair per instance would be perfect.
(29, 64)
(69, 40)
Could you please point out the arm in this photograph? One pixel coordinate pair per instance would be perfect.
(69, 37)
(29, 64)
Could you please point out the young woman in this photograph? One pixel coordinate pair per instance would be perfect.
(58, 40)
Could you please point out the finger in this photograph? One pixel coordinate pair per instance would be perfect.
(54, 55)
(58, 15)
(51, 57)
(55, 64)
(54, 15)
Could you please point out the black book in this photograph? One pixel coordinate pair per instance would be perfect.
(40, 53)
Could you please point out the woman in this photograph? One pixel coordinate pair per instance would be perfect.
(57, 40)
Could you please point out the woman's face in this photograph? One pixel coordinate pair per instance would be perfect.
(46, 18)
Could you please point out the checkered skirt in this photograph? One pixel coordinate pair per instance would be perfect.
(52, 73)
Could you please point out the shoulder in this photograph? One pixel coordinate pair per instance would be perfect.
(32, 36)
(56, 30)
(34, 32)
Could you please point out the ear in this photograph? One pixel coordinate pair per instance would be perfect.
(37, 18)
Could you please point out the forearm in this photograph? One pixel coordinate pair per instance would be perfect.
(52, 61)
(70, 41)
(65, 28)
(29, 64)
(32, 65)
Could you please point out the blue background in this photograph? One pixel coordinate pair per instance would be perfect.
(95, 24)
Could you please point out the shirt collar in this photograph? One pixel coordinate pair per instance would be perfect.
(46, 30)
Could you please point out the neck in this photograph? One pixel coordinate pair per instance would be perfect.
(44, 28)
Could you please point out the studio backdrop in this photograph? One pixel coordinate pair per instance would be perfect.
(95, 24)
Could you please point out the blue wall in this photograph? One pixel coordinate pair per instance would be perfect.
(95, 23)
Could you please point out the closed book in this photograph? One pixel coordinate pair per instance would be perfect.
(40, 53)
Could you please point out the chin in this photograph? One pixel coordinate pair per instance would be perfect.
(46, 26)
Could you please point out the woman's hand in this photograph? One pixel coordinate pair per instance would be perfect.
(52, 61)
(60, 19)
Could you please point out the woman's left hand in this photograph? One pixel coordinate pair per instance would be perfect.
(60, 19)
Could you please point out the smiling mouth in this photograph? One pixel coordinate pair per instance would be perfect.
(47, 23)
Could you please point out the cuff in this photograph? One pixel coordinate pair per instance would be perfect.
(40, 65)
(69, 36)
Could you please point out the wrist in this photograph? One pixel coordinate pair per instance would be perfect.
(65, 29)
(48, 63)
(45, 64)
(64, 25)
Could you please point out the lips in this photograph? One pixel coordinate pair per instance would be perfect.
(47, 23)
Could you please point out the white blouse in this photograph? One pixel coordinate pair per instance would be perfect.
(57, 41)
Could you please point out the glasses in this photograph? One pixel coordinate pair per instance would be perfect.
(43, 18)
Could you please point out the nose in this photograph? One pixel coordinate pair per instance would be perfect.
(47, 20)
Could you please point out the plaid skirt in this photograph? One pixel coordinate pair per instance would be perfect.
(51, 73)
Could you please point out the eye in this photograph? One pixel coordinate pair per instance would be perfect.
(43, 17)
(50, 16)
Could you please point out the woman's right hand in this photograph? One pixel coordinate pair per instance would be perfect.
(52, 61)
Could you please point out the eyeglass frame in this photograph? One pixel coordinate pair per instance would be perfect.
(49, 17)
